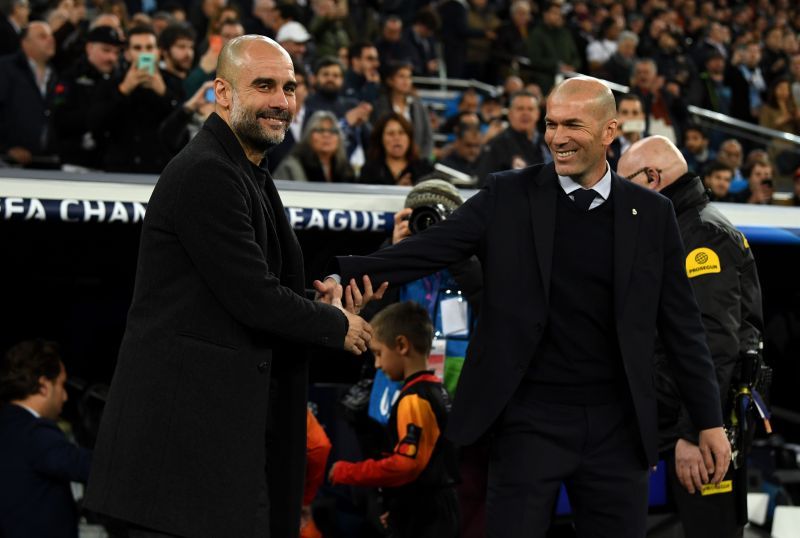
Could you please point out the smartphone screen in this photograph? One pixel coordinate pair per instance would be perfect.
(209, 96)
(215, 43)
(147, 61)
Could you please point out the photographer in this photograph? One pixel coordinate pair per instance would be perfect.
(520, 144)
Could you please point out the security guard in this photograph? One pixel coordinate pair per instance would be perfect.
(721, 268)
(75, 92)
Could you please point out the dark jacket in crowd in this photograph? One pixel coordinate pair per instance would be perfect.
(722, 271)
(37, 464)
(9, 37)
(129, 127)
(511, 149)
(75, 94)
(376, 172)
(24, 112)
(358, 88)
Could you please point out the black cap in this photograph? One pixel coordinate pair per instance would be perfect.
(104, 34)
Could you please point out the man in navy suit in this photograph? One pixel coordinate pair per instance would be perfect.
(37, 462)
(580, 268)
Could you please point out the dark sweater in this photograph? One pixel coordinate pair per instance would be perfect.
(578, 361)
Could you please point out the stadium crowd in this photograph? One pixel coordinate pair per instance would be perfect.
(122, 85)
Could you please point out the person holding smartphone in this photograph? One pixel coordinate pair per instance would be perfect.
(129, 110)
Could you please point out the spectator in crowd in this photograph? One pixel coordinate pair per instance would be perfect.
(551, 48)
(630, 127)
(327, 29)
(774, 61)
(129, 109)
(600, 51)
(261, 19)
(510, 47)
(206, 68)
(672, 63)
(422, 36)
(713, 43)
(466, 150)
(13, 18)
(794, 76)
(455, 32)
(520, 144)
(731, 154)
(177, 46)
(648, 41)
(202, 13)
(320, 155)
(27, 84)
(392, 46)
(419, 477)
(717, 178)
(362, 80)
(186, 120)
(468, 103)
(760, 186)
(294, 37)
(748, 61)
(398, 96)
(75, 93)
(392, 157)
(696, 148)
(664, 108)
(796, 190)
(619, 66)
(780, 112)
(162, 20)
(723, 89)
(481, 18)
(295, 132)
(69, 25)
(353, 115)
(37, 462)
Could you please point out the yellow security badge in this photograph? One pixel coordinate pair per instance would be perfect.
(726, 486)
(702, 261)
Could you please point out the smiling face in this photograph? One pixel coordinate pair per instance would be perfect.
(259, 100)
(579, 127)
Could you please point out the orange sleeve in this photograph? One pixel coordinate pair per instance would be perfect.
(318, 446)
(418, 432)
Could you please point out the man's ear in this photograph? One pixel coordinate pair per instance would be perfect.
(45, 386)
(224, 93)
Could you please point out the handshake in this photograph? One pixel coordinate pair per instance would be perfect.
(359, 332)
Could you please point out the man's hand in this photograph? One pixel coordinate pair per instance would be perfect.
(20, 155)
(133, 78)
(156, 83)
(358, 115)
(359, 333)
(716, 450)
(401, 229)
(330, 292)
(354, 300)
(689, 466)
(208, 61)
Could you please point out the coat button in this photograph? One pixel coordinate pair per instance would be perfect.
(263, 367)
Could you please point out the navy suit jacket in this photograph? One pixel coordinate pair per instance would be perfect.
(510, 226)
(37, 463)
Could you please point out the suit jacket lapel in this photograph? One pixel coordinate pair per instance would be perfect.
(626, 229)
(542, 194)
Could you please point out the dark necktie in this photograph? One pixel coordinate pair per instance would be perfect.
(584, 198)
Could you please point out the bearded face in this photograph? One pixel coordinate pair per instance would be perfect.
(259, 129)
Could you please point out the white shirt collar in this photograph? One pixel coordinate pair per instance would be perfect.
(31, 411)
(602, 187)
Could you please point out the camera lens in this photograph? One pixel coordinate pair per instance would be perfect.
(424, 217)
